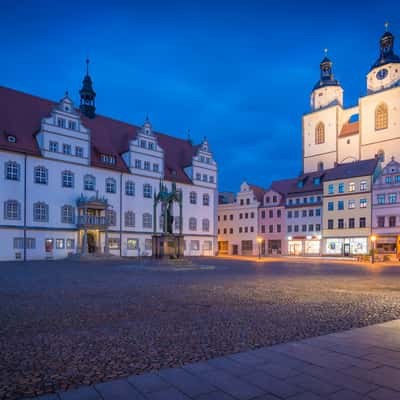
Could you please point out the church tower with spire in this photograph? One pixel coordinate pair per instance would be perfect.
(88, 95)
(327, 91)
(385, 72)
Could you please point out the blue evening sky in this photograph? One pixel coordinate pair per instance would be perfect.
(239, 72)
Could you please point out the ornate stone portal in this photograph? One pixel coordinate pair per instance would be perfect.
(167, 244)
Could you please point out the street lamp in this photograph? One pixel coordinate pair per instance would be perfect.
(373, 240)
(259, 241)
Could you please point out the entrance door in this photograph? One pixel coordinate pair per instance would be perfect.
(346, 249)
(91, 240)
(235, 251)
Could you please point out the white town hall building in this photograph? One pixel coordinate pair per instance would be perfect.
(74, 182)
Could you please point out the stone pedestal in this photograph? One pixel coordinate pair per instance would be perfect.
(167, 246)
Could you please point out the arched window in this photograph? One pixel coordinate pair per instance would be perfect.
(206, 225)
(12, 171)
(12, 210)
(40, 212)
(130, 188)
(89, 182)
(320, 166)
(67, 179)
(41, 175)
(192, 224)
(111, 217)
(129, 218)
(206, 199)
(381, 117)
(320, 133)
(193, 197)
(147, 222)
(67, 214)
(111, 185)
(147, 192)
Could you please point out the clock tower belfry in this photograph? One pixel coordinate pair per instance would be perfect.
(385, 72)
(327, 91)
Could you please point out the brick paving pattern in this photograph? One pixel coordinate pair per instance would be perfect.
(95, 327)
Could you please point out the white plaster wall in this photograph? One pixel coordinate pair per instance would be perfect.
(348, 148)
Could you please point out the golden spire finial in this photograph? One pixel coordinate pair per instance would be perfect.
(386, 26)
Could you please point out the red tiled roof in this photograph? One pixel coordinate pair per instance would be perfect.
(349, 128)
(21, 115)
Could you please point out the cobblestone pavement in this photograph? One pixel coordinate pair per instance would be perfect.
(359, 364)
(68, 324)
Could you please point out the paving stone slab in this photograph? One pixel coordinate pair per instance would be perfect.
(186, 382)
(313, 384)
(384, 394)
(148, 383)
(236, 387)
(168, 394)
(346, 395)
(118, 390)
(218, 395)
(83, 393)
(306, 396)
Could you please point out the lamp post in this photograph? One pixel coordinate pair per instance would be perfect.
(259, 241)
(373, 240)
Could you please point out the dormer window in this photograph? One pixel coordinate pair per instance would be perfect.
(107, 159)
(316, 181)
(11, 139)
(72, 125)
(61, 122)
(300, 184)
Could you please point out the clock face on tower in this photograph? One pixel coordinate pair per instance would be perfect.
(382, 74)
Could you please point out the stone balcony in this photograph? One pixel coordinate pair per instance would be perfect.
(92, 222)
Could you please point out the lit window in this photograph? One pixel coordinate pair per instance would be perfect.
(132, 244)
(113, 243)
(352, 204)
(59, 243)
(352, 187)
(70, 243)
(363, 203)
(381, 117)
(320, 133)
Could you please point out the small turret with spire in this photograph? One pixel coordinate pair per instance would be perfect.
(88, 95)
(386, 46)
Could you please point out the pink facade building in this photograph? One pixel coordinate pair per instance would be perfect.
(271, 219)
(386, 209)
